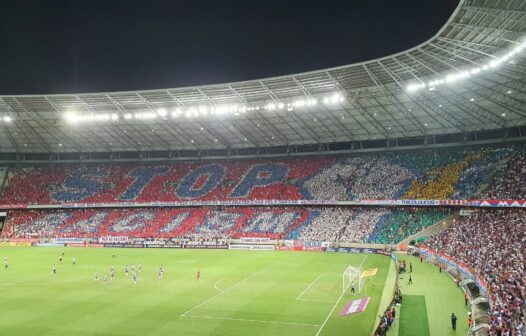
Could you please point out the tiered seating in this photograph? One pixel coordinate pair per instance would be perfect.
(351, 225)
(423, 174)
(276, 223)
(511, 184)
(478, 170)
(493, 243)
(404, 223)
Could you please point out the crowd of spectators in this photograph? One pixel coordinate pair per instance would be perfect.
(493, 244)
(361, 177)
(332, 224)
(405, 222)
(511, 182)
(457, 179)
(420, 174)
(202, 223)
(480, 169)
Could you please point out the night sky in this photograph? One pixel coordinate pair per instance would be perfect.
(67, 46)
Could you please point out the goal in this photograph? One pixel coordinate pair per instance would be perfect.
(352, 277)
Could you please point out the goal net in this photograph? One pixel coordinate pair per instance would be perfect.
(352, 279)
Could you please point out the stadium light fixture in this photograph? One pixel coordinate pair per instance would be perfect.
(454, 77)
(73, 117)
(145, 116)
(162, 112)
(332, 98)
(203, 110)
(7, 119)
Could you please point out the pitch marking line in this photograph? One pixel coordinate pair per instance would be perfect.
(226, 290)
(314, 300)
(309, 286)
(215, 286)
(335, 305)
(247, 320)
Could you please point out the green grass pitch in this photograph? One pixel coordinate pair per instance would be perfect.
(239, 293)
(413, 316)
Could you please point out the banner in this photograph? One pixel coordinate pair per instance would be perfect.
(351, 250)
(251, 247)
(208, 246)
(68, 240)
(154, 242)
(113, 239)
(12, 206)
(467, 213)
(48, 244)
(254, 240)
(14, 244)
(369, 273)
(365, 202)
(76, 245)
(355, 306)
(503, 203)
(284, 248)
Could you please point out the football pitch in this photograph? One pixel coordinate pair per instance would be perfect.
(239, 293)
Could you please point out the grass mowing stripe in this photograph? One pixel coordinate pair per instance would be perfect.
(71, 303)
(306, 289)
(226, 290)
(249, 320)
(413, 316)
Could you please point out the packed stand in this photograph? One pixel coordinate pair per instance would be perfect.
(420, 174)
(405, 222)
(493, 244)
(511, 183)
(202, 223)
(333, 224)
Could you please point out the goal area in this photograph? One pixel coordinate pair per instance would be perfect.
(352, 278)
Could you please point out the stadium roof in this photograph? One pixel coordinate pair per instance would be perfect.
(469, 77)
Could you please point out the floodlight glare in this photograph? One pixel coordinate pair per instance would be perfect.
(162, 112)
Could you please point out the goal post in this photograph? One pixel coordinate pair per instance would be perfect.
(352, 278)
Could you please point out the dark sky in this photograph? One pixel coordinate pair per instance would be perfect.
(51, 46)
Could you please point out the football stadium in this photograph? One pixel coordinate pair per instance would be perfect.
(385, 197)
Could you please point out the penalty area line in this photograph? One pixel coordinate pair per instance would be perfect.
(248, 320)
(336, 304)
(215, 286)
(315, 300)
(226, 290)
(308, 287)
